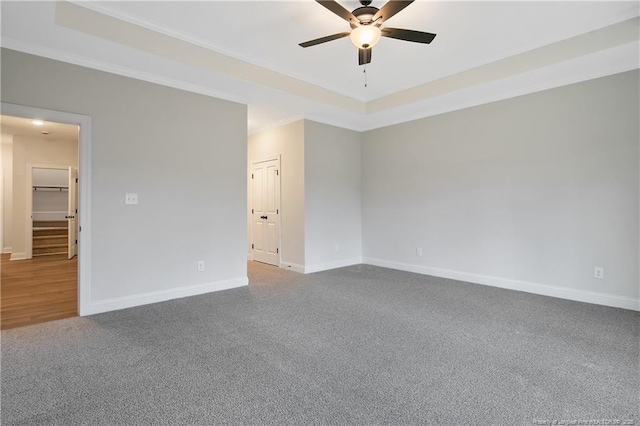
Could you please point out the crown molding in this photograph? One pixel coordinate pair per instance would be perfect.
(576, 71)
(600, 64)
(96, 24)
(58, 55)
(338, 122)
(626, 15)
(276, 124)
(561, 70)
(197, 41)
(582, 45)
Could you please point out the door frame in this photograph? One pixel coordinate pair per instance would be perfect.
(84, 187)
(29, 207)
(2, 203)
(73, 212)
(279, 206)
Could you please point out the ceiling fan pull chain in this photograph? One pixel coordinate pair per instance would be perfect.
(365, 75)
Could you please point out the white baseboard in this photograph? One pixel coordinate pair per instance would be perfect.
(528, 287)
(292, 267)
(162, 295)
(332, 265)
(6, 250)
(18, 256)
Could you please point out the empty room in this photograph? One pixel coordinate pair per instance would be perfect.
(321, 212)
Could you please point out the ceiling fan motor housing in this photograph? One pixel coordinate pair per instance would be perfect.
(364, 15)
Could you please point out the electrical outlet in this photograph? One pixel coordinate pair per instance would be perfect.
(598, 272)
(131, 198)
(200, 265)
(337, 248)
(419, 251)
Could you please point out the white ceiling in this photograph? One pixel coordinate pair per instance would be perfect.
(266, 33)
(469, 34)
(17, 126)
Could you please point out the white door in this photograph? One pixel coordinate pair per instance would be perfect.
(265, 177)
(72, 235)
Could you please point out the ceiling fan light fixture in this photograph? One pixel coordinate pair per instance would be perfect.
(365, 22)
(365, 36)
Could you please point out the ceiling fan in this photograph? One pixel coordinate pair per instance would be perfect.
(365, 23)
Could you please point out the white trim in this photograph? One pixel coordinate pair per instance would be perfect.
(57, 55)
(575, 70)
(84, 186)
(264, 159)
(358, 125)
(163, 295)
(622, 16)
(200, 42)
(292, 267)
(276, 124)
(2, 206)
(585, 68)
(249, 256)
(332, 265)
(528, 287)
(6, 250)
(18, 256)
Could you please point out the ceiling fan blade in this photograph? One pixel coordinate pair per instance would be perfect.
(408, 35)
(391, 8)
(364, 56)
(338, 10)
(324, 39)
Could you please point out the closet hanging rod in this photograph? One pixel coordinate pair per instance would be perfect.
(60, 188)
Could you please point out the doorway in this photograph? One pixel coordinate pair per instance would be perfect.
(53, 210)
(265, 211)
(42, 251)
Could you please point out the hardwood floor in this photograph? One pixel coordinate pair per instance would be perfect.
(37, 290)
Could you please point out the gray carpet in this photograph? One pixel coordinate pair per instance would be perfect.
(357, 345)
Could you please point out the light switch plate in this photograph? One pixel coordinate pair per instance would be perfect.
(131, 198)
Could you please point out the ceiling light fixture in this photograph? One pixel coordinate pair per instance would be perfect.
(366, 24)
(365, 36)
(37, 122)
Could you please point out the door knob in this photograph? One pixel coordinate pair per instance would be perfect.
(263, 217)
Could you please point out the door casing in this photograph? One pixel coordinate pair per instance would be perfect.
(84, 188)
(72, 213)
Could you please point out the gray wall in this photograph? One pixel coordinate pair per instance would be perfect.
(536, 189)
(539, 188)
(332, 196)
(320, 184)
(183, 153)
(288, 142)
